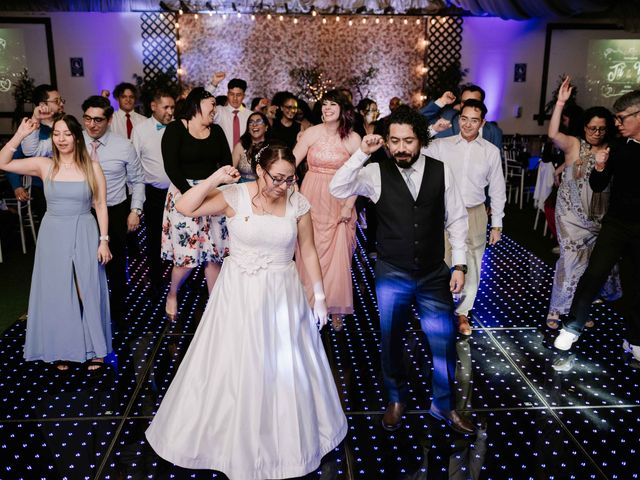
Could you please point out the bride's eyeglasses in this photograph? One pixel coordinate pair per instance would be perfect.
(279, 181)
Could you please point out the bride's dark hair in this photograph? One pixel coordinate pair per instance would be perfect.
(270, 152)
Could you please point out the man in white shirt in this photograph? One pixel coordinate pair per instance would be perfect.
(125, 119)
(147, 140)
(476, 164)
(416, 201)
(233, 116)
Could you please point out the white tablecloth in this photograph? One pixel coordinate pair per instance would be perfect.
(544, 184)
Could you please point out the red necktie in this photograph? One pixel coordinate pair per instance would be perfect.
(129, 125)
(236, 127)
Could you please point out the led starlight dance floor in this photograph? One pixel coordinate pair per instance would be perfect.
(534, 422)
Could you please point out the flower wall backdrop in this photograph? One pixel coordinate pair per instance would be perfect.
(263, 51)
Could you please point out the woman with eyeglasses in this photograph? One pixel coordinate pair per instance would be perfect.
(193, 147)
(285, 126)
(327, 147)
(579, 210)
(254, 396)
(253, 138)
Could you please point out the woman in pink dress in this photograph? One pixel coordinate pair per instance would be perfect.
(327, 147)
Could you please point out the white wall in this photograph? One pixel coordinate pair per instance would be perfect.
(110, 45)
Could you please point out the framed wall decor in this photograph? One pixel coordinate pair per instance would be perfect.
(25, 43)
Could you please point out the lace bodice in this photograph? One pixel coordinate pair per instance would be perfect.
(327, 155)
(262, 241)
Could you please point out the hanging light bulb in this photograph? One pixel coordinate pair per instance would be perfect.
(281, 18)
(295, 21)
(337, 18)
(324, 21)
(268, 16)
(350, 22)
(195, 16)
(377, 21)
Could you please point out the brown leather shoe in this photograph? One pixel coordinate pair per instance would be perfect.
(464, 328)
(454, 420)
(392, 418)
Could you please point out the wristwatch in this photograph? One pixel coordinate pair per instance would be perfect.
(460, 268)
(137, 211)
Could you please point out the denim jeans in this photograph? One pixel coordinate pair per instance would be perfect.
(396, 290)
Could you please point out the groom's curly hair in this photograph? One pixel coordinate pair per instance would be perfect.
(408, 116)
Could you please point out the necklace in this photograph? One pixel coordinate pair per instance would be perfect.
(264, 210)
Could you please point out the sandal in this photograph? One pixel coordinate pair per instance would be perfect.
(62, 365)
(98, 364)
(553, 321)
(337, 322)
(589, 324)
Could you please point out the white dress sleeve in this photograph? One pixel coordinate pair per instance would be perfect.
(231, 194)
(301, 203)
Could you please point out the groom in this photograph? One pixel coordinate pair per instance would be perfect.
(416, 201)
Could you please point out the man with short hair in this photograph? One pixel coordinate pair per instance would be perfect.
(121, 166)
(416, 201)
(147, 140)
(48, 103)
(125, 119)
(233, 116)
(619, 236)
(475, 164)
(446, 108)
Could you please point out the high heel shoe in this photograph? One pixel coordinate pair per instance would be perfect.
(171, 315)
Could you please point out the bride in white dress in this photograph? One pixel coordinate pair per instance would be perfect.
(254, 396)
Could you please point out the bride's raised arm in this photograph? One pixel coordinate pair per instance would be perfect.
(205, 198)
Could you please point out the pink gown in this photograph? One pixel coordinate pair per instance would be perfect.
(334, 241)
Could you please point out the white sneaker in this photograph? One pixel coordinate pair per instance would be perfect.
(565, 339)
(632, 349)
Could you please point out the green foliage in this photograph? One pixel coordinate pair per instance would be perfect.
(362, 81)
(147, 87)
(548, 108)
(310, 82)
(22, 94)
(445, 78)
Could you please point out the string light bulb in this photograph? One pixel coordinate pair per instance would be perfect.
(337, 18)
(253, 17)
(350, 22)
(405, 21)
(377, 21)
(268, 16)
(364, 20)
(281, 18)
(295, 21)
(418, 21)
(313, 13)
(324, 21)
(391, 20)
(196, 16)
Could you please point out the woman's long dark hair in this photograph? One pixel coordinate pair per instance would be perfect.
(345, 123)
(245, 139)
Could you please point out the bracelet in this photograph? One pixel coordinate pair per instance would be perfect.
(104, 238)
(498, 229)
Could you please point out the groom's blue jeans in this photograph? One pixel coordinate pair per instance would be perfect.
(396, 290)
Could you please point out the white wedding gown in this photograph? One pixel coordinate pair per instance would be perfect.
(254, 396)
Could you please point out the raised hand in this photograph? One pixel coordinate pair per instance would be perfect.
(27, 126)
(225, 174)
(601, 159)
(371, 143)
(441, 125)
(564, 92)
(217, 78)
(447, 98)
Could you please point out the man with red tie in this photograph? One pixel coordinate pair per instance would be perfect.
(125, 119)
(234, 115)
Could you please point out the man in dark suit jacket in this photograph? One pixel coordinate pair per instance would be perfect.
(445, 107)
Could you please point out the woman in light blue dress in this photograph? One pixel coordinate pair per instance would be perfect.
(68, 318)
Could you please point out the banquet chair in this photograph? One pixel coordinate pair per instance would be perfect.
(25, 215)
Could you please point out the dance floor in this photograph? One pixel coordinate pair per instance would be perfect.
(534, 421)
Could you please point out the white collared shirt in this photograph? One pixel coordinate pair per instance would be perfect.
(475, 165)
(119, 122)
(224, 118)
(147, 141)
(353, 179)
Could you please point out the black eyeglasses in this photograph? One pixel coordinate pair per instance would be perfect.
(596, 129)
(279, 181)
(96, 120)
(622, 118)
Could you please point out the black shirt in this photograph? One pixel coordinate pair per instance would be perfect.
(186, 157)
